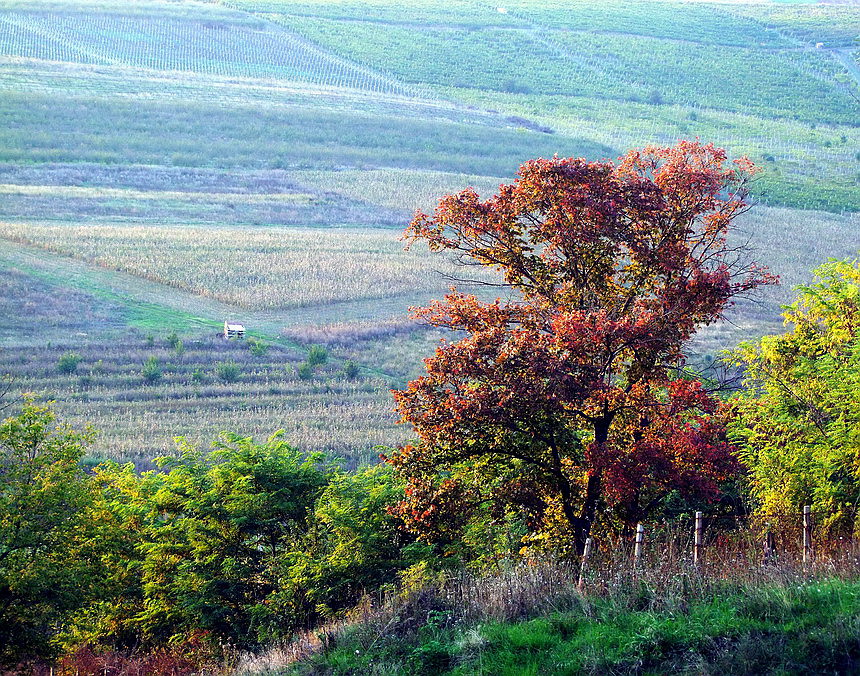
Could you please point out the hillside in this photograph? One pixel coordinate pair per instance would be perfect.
(165, 166)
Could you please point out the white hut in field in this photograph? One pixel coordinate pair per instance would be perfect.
(232, 330)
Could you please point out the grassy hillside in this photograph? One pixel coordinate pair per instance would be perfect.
(140, 140)
(808, 630)
(534, 620)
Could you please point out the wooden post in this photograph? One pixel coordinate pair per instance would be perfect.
(697, 539)
(637, 550)
(769, 547)
(807, 534)
(585, 556)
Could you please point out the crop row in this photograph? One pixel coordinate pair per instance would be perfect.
(414, 12)
(691, 22)
(134, 131)
(786, 83)
(659, 71)
(138, 420)
(836, 25)
(695, 22)
(177, 45)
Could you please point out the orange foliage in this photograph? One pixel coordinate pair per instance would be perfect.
(564, 396)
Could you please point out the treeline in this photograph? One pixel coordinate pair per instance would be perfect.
(236, 547)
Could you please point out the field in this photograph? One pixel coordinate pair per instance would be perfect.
(165, 166)
(256, 269)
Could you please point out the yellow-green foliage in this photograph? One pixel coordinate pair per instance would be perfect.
(799, 420)
(239, 546)
(45, 542)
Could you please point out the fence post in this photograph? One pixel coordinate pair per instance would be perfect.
(637, 550)
(697, 539)
(585, 556)
(807, 534)
(769, 548)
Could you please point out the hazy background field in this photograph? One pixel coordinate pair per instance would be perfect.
(165, 166)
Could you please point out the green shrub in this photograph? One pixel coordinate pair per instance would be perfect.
(305, 371)
(258, 347)
(317, 355)
(350, 369)
(198, 376)
(68, 362)
(46, 567)
(151, 371)
(227, 371)
(173, 339)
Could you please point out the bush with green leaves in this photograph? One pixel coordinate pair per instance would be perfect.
(173, 339)
(257, 347)
(227, 371)
(350, 369)
(68, 362)
(317, 355)
(798, 420)
(247, 543)
(151, 371)
(353, 545)
(48, 565)
(305, 371)
(200, 540)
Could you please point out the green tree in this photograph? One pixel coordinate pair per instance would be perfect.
(46, 539)
(68, 362)
(197, 544)
(798, 421)
(151, 370)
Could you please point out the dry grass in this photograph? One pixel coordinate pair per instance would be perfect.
(666, 583)
(255, 268)
(283, 268)
(138, 421)
(70, 191)
(409, 189)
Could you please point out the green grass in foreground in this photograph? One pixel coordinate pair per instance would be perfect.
(810, 628)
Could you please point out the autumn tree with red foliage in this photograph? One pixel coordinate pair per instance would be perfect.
(562, 403)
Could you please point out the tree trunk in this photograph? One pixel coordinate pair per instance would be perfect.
(582, 525)
(593, 489)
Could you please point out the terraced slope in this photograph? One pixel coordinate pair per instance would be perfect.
(227, 46)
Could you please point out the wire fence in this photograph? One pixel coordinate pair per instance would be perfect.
(729, 546)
